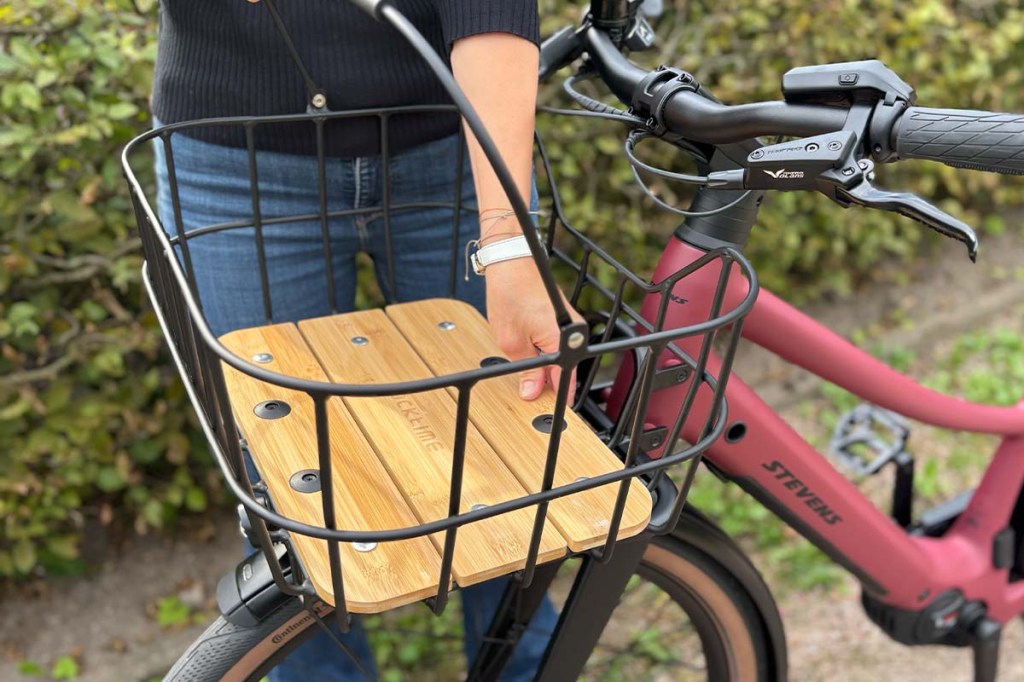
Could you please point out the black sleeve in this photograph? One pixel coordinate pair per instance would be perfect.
(463, 18)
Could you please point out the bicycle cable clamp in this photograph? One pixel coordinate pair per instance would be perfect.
(654, 92)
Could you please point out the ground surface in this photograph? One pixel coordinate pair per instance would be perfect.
(109, 620)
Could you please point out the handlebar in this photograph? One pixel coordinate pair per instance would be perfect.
(701, 118)
(843, 113)
(978, 140)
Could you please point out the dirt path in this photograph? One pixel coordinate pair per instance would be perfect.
(108, 619)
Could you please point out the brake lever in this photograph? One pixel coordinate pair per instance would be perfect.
(828, 163)
(912, 206)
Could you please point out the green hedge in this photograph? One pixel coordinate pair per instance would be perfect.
(94, 427)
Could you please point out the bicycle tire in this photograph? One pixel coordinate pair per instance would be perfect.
(735, 640)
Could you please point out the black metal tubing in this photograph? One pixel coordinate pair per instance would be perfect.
(385, 157)
(172, 182)
(697, 117)
(244, 492)
(644, 391)
(321, 181)
(301, 217)
(550, 464)
(515, 611)
(462, 519)
(159, 243)
(421, 385)
(326, 462)
(587, 610)
(234, 469)
(454, 496)
(257, 220)
(612, 13)
(460, 160)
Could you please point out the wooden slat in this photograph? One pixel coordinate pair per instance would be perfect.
(392, 574)
(505, 420)
(414, 437)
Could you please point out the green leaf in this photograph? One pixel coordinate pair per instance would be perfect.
(109, 479)
(195, 499)
(146, 451)
(14, 135)
(66, 668)
(153, 513)
(122, 110)
(93, 311)
(46, 77)
(410, 652)
(30, 668)
(171, 611)
(63, 546)
(24, 556)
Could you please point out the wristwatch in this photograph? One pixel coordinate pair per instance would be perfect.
(506, 249)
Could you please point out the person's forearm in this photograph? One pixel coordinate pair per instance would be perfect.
(498, 72)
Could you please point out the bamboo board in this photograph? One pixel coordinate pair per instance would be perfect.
(393, 573)
(414, 437)
(392, 456)
(506, 422)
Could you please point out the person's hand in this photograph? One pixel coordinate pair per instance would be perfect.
(523, 321)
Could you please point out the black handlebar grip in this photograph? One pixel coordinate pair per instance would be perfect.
(979, 140)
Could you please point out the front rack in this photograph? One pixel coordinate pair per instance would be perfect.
(615, 409)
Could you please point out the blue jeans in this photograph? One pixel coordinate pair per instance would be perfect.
(214, 187)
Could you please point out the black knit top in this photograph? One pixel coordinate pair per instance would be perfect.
(227, 58)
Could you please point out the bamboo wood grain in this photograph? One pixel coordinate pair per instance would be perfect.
(506, 422)
(414, 437)
(392, 574)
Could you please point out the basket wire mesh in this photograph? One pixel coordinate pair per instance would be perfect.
(591, 273)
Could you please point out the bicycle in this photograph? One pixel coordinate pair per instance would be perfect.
(953, 580)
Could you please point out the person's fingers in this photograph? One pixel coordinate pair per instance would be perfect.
(553, 373)
(531, 383)
(517, 346)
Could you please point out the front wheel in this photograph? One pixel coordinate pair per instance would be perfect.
(683, 616)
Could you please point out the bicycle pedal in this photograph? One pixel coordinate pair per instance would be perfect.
(867, 438)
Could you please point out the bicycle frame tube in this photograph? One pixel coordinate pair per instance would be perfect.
(778, 467)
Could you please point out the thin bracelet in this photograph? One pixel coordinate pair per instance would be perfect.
(484, 233)
(502, 216)
(488, 237)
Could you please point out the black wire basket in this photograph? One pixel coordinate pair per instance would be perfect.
(616, 329)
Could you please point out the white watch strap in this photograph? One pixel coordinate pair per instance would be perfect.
(506, 249)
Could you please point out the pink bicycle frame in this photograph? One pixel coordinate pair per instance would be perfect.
(778, 467)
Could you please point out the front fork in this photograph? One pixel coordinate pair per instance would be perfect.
(594, 595)
(583, 618)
